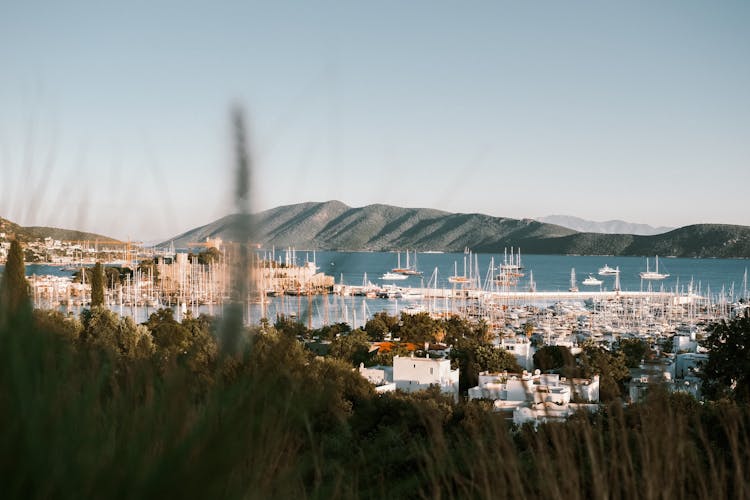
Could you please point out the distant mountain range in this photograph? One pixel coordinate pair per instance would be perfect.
(607, 227)
(31, 233)
(333, 225)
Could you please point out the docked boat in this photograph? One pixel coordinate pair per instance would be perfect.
(591, 281)
(607, 271)
(653, 275)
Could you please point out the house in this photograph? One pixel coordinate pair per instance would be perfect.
(411, 374)
(536, 397)
(521, 349)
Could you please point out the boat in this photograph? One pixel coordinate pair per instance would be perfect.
(393, 276)
(573, 286)
(456, 278)
(591, 281)
(411, 294)
(409, 270)
(607, 271)
(653, 275)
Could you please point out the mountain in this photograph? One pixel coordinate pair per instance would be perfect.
(699, 240)
(607, 227)
(31, 233)
(333, 225)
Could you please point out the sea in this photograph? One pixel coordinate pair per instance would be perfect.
(721, 279)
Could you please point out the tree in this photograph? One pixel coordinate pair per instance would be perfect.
(634, 351)
(418, 328)
(14, 289)
(97, 286)
(108, 330)
(610, 367)
(726, 373)
(352, 347)
(554, 357)
(171, 338)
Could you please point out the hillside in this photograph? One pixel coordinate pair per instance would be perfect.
(333, 225)
(31, 233)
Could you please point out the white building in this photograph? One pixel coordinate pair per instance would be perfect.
(538, 397)
(521, 349)
(412, 374)
(380, 376)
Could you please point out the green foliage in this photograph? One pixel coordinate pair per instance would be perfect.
(727, 371)
(171, 338)
(277, 423)
(57, 324)
(107, 330)
(418, 328)
(291, 327)
(97, 286)
(352, 347)
(330, 332)
(611, 368)
(15, 302)
(554, 358)
(634, 350)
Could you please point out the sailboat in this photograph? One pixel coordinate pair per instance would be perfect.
(456, 278)
(410, 269)
(573, 286)
(653, 275)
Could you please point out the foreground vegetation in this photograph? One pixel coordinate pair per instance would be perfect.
(98, 407)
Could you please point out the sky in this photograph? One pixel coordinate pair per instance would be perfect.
(115, 116)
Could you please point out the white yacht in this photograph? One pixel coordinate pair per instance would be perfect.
(393, 276)
(607, 271)
(591, 281)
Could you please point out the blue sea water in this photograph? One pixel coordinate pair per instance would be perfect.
(550, 272)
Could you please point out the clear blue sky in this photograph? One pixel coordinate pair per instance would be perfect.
(114, 116)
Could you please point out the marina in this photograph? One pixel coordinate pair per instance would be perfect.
(319, 288)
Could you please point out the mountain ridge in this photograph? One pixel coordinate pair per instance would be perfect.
(31, 233)
(333, 225)
(614, 226)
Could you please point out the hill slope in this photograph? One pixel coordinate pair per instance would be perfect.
(333, 225)
(32, 233)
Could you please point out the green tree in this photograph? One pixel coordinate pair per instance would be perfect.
(97, 286)
(171, 338)
(418, 328)
(456, 328)
(727, 371)
(352, 347)
(14, 289)
(108, 330)
(611, 368)
(554, 357)
(291, 327)
(634, 350)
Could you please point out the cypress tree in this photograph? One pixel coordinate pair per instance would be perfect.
(97, 286)
(14, 290)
